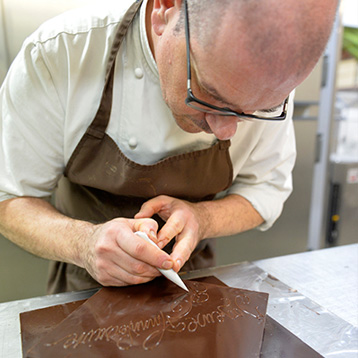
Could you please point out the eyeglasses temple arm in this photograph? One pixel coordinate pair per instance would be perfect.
(187, 37)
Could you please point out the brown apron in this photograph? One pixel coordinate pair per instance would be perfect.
(100, 183)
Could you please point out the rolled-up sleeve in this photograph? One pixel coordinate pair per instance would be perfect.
(263, 156)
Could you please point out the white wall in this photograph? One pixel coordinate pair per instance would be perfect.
(19, 18)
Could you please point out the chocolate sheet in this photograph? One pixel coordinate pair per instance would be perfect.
(278, 341)
(159, 319)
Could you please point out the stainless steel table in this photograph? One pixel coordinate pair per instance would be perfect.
(313, 294)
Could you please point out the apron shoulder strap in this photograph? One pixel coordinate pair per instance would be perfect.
(100, 121)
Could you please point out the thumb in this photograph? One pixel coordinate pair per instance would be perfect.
(148, 226)
(149, 208)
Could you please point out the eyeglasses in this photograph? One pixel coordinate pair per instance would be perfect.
(277, 114)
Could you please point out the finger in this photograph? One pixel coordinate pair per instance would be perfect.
(117, 276)
(173, 227)
(130, 265)
(139, 249)
(149, 226)
(136, 272)
(185, 245)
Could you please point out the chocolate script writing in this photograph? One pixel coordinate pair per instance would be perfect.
(149, 332)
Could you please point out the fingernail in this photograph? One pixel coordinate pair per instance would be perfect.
(167, 265)
(152, 235)
(179, 263)
(161, 244)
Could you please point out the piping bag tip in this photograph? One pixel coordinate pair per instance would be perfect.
(174, 277)
(169, 274)
(182, 285)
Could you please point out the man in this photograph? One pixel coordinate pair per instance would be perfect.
(101, 97)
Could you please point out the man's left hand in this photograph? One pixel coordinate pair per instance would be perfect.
(185, 221)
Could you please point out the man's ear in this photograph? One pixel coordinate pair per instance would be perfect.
(162, 13)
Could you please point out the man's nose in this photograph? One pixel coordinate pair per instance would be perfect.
(224, 127)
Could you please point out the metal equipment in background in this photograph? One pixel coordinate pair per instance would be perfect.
(342, 220)
(317, 218)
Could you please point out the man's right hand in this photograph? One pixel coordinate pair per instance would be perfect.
(115, 256)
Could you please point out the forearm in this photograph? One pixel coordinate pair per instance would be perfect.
(227, 216)
(110, 252)
(39, 228)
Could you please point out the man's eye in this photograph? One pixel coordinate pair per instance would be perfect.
(269, 113)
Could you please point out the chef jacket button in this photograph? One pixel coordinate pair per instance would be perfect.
(132, 143)
(138, 72)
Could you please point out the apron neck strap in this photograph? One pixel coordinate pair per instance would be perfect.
(100, 122)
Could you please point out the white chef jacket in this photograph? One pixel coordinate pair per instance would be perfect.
(53, 90)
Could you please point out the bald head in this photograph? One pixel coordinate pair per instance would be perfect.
(280, 37)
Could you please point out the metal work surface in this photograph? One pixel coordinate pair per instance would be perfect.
(316, 325)
(328, 277)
